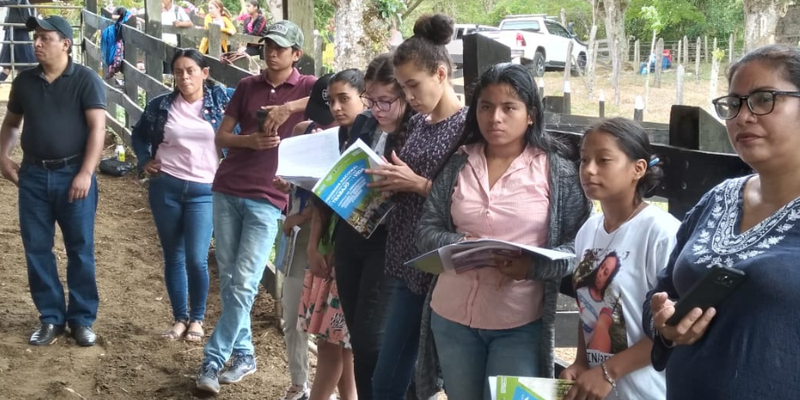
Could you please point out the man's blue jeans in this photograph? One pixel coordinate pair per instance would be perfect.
(43, 202)
(183, 214)
(469, 356)
(245, 231)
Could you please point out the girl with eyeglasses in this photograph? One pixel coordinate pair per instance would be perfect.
(750, 346)
(360, 261)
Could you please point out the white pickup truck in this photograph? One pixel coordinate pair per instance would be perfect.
(456, 45)
(539, 42)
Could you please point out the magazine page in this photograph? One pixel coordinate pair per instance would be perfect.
(344, 189)
(467, 255)
(304, 160)
(524, 388)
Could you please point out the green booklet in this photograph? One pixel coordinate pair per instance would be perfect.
(524, 388)
(344, 189)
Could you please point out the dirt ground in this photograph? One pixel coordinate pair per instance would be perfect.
(130, 361)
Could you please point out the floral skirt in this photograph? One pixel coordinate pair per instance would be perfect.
(321, 311)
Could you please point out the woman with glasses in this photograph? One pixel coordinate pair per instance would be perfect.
(749, 347)
(360, 261)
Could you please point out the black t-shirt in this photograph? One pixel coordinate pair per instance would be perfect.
(54, 113)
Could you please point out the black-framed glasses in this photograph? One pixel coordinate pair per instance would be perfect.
(382, 105)
(760, 102)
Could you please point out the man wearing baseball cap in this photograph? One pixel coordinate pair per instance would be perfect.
(247, 205)
(56, 178)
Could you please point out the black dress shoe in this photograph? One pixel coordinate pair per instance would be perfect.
(47, 334)
(84, 335)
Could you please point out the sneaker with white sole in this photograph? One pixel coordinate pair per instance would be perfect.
(296, 392)
(208, 378)
(241, 366)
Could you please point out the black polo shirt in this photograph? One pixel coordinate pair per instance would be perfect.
(54, 113)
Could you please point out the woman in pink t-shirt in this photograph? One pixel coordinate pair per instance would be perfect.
(174, 144)
(511, 181)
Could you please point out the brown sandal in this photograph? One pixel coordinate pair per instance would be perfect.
(194, 335)
(176, 333)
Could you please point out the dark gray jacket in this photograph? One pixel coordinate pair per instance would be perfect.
(568, 210)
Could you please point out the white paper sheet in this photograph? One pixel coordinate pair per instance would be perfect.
(305, 159)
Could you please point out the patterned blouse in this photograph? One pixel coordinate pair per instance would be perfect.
(752, 346)
(424, 152)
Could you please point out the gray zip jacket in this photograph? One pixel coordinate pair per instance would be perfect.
(569, 209)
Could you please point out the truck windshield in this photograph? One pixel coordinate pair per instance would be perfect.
(532, 26)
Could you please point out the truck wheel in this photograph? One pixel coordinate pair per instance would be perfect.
(537, 65)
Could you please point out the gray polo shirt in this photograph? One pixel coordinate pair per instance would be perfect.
(55, 113)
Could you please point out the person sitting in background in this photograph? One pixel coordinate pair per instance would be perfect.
(174, 144)
(218, 15)
(23, 52)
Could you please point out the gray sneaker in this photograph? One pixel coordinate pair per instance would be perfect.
(208, 378)
(241, 366)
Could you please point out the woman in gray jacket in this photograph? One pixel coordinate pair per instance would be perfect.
(512, 181)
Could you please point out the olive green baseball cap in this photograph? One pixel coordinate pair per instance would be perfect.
(285, 34)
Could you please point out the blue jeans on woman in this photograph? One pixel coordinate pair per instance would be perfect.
(398, 355)
(245, 230)
(43, 202)
(183, 213)
(469, 356)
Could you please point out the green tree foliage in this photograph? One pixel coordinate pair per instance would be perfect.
(673, 19)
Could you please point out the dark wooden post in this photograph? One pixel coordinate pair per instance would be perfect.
(214, 40)
(480, 53)
(88, 34)
(154, 58)
(131, 55)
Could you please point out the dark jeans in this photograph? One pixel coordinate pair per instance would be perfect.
(398, 355)
(183, 214)
(364, 292)
(43, 202)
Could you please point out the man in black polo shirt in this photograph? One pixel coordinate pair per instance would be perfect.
(63, 106)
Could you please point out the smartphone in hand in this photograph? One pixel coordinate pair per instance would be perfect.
(261, 117)
(710, 291)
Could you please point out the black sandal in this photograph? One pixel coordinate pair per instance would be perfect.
(174, 335)
(194, 336)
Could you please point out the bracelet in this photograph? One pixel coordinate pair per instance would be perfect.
(608, 379)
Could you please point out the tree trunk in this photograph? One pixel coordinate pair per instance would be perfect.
(761, 21)
(360, 34)
(617, 42)
(276, 8)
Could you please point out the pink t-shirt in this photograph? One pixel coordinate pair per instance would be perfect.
(515, 209)
(188, 151)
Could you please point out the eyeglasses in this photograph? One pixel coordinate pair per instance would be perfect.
(760, 102)
(381, 104)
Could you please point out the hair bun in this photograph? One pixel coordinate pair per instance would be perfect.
(437, 28)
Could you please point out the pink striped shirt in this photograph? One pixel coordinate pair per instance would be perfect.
(515, 209)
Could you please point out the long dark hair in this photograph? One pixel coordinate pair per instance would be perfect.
(785, 60)
(591, 279)
(427, 47)
(381, 71)
(519, 79)
(633, 141)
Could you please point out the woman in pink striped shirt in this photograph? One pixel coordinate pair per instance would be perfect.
(511, 181)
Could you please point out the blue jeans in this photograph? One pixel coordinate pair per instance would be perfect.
(398, 354)
(468, 356)
(43, 196)
(183, 214)
(245, 230)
